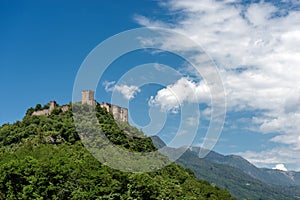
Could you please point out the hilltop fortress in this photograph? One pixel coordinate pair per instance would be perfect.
(119, 113)
(88, 97)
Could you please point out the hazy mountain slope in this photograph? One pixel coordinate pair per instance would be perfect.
(236, 181)
(270, 176)
(217, 169)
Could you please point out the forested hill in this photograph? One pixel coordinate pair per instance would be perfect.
(42, 157)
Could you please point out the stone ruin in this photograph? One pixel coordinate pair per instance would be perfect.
(88, 97)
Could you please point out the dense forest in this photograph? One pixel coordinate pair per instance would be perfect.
(43, 157)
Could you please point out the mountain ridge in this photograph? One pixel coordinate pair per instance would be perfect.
(269, 176)
(233, 173)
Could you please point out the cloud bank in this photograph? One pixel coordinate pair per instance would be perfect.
(257, 49)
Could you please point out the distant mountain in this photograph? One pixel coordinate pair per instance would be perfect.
(235, 174)
(269, 176)
(157, 141)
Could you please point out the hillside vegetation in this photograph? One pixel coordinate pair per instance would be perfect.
(42, 157)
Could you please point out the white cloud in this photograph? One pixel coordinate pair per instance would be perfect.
(259, 14)
(206, 113)
(271, 157)
(280, 167)
(192, 121)
(109, 86)
(128, 91)
(292, 102)
(263, 46)
(184, 90)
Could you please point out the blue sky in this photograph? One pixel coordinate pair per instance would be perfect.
(255, 45)
(44, 43)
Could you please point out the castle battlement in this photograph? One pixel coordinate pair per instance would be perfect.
(52, 106)
(88, 97)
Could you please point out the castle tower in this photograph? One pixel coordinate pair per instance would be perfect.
(52, 106)
(87, 97)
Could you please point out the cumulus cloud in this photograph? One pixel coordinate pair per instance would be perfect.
(270, 157)
(170, 99)
(280, 167)
(292, 102)
(128, 91)
(260, 13)
(257, 49)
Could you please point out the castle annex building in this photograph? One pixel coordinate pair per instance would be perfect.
(88, 97)
(119, 113)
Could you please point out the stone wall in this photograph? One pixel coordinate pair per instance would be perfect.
(119, 113)
(107, 106)
(41, 112)
(65, 108)
(52, 106)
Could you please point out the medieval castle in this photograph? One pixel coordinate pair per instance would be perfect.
(88, 97)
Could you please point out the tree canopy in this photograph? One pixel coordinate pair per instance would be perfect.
(43, 157)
